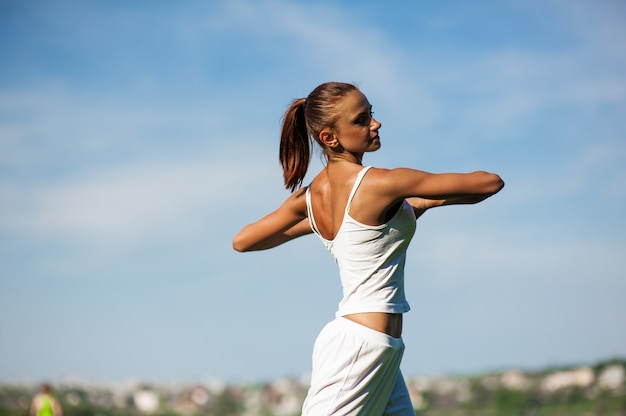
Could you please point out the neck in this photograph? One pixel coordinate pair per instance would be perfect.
(356, 158)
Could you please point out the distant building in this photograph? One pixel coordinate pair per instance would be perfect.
(581, 377)
(514, 380)
(146, 401)
(612, 377)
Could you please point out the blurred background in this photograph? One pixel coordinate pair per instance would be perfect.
(136, 138)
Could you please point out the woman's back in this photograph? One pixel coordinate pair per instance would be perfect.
(330, 192)
(370, 257)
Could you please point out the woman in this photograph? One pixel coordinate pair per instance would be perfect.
(365, 216)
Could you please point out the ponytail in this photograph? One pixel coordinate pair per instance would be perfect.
(295, 147)
(322, 109)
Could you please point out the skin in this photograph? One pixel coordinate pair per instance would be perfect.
(377, 199)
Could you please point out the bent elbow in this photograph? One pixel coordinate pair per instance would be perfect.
(498, 183)
(492, 184)
(239, 245)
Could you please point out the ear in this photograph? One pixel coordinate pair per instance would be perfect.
(328, 138)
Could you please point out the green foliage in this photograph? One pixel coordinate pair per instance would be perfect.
(512, 402)
(11, 411)
(485, 395)
(228, 404)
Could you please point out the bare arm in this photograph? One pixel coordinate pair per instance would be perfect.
(454, 188)
(287, 222)
(425, 190)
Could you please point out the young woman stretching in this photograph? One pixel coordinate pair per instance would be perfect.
(365, 216)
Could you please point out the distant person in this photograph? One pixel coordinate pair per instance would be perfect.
(44, 403)
(365, 216)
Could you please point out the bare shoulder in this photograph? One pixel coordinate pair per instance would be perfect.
(375, 174)
(393, 185)
(320, 180)
(320, 185)
(296, 202)
(373, 199)
(388, 174)
(386, 178)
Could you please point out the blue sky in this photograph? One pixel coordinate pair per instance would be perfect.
(137, 138)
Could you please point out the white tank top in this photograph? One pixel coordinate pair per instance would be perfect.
(370, 258)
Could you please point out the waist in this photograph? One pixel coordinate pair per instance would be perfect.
(387, 323)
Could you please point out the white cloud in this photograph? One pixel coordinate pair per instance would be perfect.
(129, 202)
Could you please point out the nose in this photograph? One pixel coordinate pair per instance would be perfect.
(375, 124)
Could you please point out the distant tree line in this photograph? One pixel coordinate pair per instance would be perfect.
(571, 391)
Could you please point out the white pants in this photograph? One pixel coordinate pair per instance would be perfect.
(356, 371)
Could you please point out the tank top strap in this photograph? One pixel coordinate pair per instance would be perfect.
(357, 182)
(309, 209)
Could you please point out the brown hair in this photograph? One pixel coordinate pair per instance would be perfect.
(304, 119)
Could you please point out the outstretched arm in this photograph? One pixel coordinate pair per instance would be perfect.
(425, 190)
(469, 187)
(289, 221)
